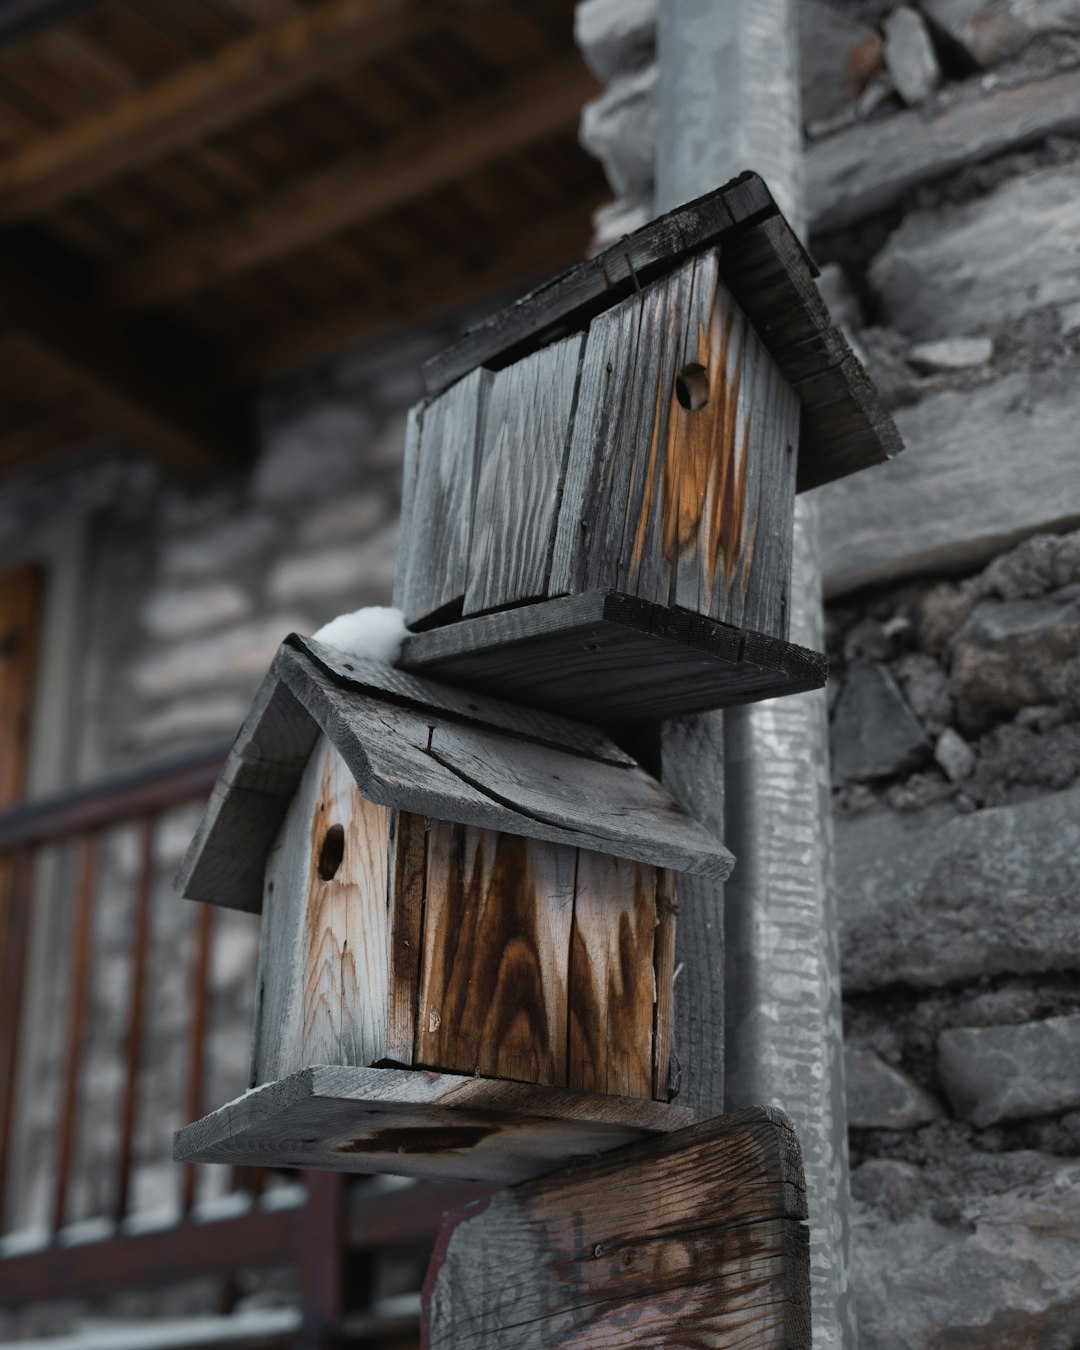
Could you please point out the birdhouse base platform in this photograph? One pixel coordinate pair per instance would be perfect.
(612, 659)
(419, 1123)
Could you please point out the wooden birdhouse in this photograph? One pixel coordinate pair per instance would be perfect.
(467, 943)
(600, 491)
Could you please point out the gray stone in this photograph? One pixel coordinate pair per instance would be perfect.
(616, 219)
(874, 734)
(954, 755)
(936, 898)
(615, 36)
(909, 55)
(1038, 565)
(951, 354)
(926, 688)
(619, 128)
(1070, 318)
(996, 621)
(219, 548)
(840, 300)
(314, 455)
(363, 570)
(985, 263)
(837, 55)
(874, 165)
(878, 92)
(991, 30)
(962, 485)
(1012, 1072)
(239, 653)
(881, 1097)
(994, 1266)
(200, 720)
(180, 611)
(351, 516)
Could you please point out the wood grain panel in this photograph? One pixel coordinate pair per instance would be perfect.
(497, 920)
(613, 990)
(408, 879)
(322, 984)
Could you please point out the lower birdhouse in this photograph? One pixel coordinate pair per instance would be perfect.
(468, 923)
(599, 497)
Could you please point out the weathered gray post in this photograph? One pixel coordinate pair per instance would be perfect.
(728, 98)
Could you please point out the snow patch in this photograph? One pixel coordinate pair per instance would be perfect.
(375, 632)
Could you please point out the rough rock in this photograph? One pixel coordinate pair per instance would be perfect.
(936, 898)
(881, 1097)
(991, 30)
(954, 755)
(364, 570)
(874, 733)
(239, 653)
(984, 1254)
(179, 611)
(840, 300)
(985, 263)
(616, 219)
(218, 548)
(1031, 569)
(874, 165)
(619, 128)
(314, 455)
(960, 487)
(909, 55)
(1018, 757)
(926, 688)
(348, 517)
(1011, 1072)
(837, 55)
(615, 36)
(951, 354)
(192, 721)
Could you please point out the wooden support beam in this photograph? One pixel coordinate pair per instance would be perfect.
(552, 242)
(362, 187)
(205, 97)
(115, 394)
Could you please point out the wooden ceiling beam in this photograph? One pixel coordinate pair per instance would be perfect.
(434, 288)
(361, 188)
(205, 97)
(79, 356)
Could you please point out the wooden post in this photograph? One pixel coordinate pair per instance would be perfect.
(695, 1240)
(728, 97)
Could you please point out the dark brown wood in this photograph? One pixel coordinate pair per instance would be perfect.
(845, 427)
(612, 659)
(197, 1028)
(405, 903)
(82, 938)
(140, 948)
(696, 1239)
(439, 1126)
(323, 1258)
(20, 616)
(16, 890)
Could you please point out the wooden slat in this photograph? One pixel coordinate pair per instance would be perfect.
(522, 459)
(696, 1239)
(496, 937)
(16, 895)
(419, 1124)
(436, 546)
(612, 659)
(81, 952)
(322, 983)
(405, 905)
(20, 614)
(613, 993)
(140, 947)
(359, 188)
(205, 97)
(197, 1027)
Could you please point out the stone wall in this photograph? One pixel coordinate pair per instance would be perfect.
(943, 182)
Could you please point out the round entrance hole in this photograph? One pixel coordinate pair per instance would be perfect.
(332, 852)
(692, 386)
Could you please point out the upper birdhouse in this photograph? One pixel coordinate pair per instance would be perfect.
(467, 948)
(599, 493)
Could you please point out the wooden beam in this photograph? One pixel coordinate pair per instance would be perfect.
(436, 287)
(101, 369)
(21, 16)
(361, 187)
(205, 97)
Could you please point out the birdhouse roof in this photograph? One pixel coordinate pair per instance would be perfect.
(844, 425)
(424, 747)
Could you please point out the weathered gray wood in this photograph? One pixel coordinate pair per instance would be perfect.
(696, 1239)
(419, 760)
(406, 887)
(410, 463)
(845, 427)
(874, 165)
(613, 658)
(419, 1124)
(533, 724)
(436, 536)
(522, 459)
(321, 996)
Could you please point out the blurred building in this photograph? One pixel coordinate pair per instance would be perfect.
(230, 233)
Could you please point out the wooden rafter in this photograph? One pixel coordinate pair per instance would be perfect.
(432, 290)
(118, 394)
(206, 96)
(362, 187)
